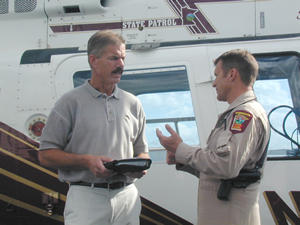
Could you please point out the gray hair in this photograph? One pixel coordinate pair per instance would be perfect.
(101, 39)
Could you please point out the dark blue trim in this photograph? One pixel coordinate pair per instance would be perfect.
(34, 56)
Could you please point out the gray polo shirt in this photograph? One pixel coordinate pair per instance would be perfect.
(86, 121)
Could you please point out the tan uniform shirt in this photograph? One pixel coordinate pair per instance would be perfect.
(238, 141)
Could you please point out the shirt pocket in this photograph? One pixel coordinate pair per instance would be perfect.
(223, 147)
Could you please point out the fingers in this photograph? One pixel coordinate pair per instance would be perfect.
(106, 159)
(159, 133)
(96, 166)
(160, 136)
(170, 130)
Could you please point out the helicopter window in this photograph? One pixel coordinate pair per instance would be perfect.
(80, 77)
(152, 80)
(277, 90)
(173, 108)
(165, 95)
(269, 93)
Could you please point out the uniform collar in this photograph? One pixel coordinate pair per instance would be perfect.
(96, 94)
(243, 98)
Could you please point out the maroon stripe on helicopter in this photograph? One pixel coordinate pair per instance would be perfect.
(199, 24)
(86, 27)
(191, 8)
(175, 6)
(61, 29)
(98, 26)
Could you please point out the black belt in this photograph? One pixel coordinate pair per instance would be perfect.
(115, 185)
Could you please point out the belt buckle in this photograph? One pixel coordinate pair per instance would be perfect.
(108, 186)
(112, 188)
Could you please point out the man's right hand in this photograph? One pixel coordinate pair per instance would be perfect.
(96, 166)
(56, 158)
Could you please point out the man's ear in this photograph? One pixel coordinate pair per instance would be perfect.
(232, 74)
(91, 59)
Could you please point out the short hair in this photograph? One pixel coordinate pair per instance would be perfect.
(101, 39)
(243, 61)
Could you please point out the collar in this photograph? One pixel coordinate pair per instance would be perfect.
(243, 98)
(96, 94)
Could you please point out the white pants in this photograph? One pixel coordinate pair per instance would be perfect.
(100, 206)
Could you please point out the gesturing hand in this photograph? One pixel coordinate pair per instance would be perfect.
(170, 143)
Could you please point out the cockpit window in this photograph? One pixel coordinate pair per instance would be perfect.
(277, 89)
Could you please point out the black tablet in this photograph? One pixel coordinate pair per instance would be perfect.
(128, 165)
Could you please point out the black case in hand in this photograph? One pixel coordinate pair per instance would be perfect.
(128, 165)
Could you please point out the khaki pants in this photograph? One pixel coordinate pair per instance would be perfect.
(100, 206)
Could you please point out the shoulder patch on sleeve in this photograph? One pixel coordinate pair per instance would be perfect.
(240, 121)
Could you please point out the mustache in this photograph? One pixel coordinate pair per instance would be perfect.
(118, 70)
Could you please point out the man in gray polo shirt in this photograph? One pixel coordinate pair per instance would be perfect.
(92, 124)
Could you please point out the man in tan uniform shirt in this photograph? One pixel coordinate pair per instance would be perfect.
(237, 142)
